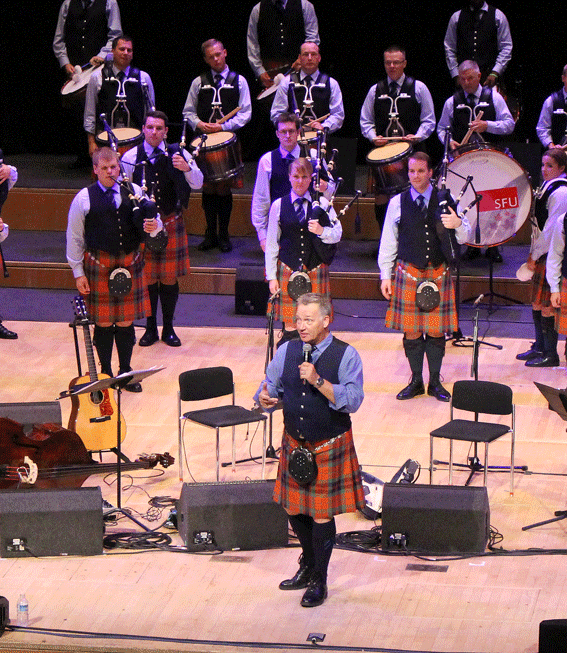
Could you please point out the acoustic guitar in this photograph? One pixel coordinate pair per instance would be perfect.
(94, 415)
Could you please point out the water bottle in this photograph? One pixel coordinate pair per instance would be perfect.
(23, 616)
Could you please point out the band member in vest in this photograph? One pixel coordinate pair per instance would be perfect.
(550, 207)
(460, 113)
(552, 124)
(8, 177)
(104, 233)
(170, 174)
(298, 245)
(556, 274)
(479, 32)
(272, 177)
(315, 94)
(276, 30)
(416, 113)
(105, 85)
(411, 253)
(83, 35)
(318, 380)
(232, 90)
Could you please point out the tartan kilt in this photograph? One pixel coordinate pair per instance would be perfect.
(561, 318)
(403, 313)
(101, 305)
(337, 488)
(285, 306)
(173, 262)
(541, 292)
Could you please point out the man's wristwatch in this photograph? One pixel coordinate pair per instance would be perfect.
(319, 382)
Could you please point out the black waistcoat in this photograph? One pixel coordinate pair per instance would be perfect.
(409, 110)
(106, 100)
(280, 34)
(540, 204)
(418, 242)
(461, 117)
(279, 178)
(558, 120)
(320, 95)
(478, 42)
(229, 95)
(306, 410)
(85, 31)
(296, 241)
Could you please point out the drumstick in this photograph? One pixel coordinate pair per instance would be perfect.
(470, 132)
(310, 124)
(229, 116)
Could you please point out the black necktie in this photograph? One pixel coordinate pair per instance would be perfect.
(279, 5)
(471, 100)
(121, 76)
(393, 90)
(420, 201)
(308, 80)
(218, 80)
(110, 195)
(299, 212)
(289, 157)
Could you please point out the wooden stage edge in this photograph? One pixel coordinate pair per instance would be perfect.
(491, 603)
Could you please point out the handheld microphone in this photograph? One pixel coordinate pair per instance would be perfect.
(306, 354)
(478, 300)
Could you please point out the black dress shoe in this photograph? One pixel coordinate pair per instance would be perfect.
(471, 253)
(438, 391)
(133, 387)
(493, 253)
(6, 334)
(225, 245)
(207, 244)
(170, 338)
(528, 355)
(149, 338)
(412, 390)
(543, 361)
(300, 580)
(315, 593)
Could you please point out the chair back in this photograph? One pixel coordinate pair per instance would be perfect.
(482, 397)
(205, 383)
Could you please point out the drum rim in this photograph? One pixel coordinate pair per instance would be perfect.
(133, 139)
(392, 159)
(197, 140)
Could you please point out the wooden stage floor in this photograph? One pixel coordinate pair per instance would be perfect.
(182, 602)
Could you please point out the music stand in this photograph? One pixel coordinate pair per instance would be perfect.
(117, 383)
(557, 400)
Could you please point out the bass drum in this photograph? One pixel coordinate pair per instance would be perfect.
(505, 187)
(389, 165)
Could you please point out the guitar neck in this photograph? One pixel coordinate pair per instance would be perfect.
(90, 353)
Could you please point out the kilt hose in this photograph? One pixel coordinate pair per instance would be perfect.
(541, 293)
(403, 313)
(173, 262)
(337, 488)
(101, 305)
(284, 306)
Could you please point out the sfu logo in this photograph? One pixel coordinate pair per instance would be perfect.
(499, 199)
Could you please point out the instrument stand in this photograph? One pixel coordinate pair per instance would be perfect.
(557, 400)
(117, 383)
(491, 292)
(270, 451)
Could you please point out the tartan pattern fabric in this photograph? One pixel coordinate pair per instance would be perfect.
(285, 306)
(541, 292)
(174, 261)
(337, 488)
(102, 307)
(561, 317)
(404, 315)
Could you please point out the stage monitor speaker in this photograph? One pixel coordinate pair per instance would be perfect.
(236, 515)
(251, 291)
(435, 518)
(32, 412)
(552, 636)
(36, 523)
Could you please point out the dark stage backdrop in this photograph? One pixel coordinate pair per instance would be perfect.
(167, 38)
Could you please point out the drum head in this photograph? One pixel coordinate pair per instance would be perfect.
(213, 140)
(123, 134)
(506, 194)
(272, 89)
(79, 80)
(388, 153)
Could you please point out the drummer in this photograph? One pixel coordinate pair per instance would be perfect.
(218, 84)
(461, 115)
(416, 113)
(324, 91)
(551, 127)
(102, 91)
(297, 246)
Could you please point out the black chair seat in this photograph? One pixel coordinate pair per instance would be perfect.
(224, 416)
(468, 431)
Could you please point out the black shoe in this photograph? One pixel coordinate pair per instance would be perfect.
(133, 387)
(471, 253)
(170, 338)
(493, 253)
(207, 244)
(412, 390)
(316, 592)
(528, 355)
(543, 361)
(300, 580)
(6, 334)
(150, 337)
(438, 391)
(225, 245)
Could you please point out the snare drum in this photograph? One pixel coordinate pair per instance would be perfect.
(219, 158)
(389, 165)
(128, 137)
(505, 188)
(74, 90)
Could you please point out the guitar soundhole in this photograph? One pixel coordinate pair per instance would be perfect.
(97, 397)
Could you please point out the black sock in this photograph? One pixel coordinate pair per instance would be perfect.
(303, 527)
(125, 338)
(103, 341)
(323, 542)
(153, 291)
(168, 295)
